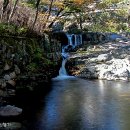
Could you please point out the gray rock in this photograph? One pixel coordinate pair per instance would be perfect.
(3, 93)
(10, 111)
(2, 83)
(17, 70)
(6, 67)
(11, 82)
(111, 64)
(103, 57)
(7, 77)
(118, 69)
(13, 75)
(100, 58)
(11, 92)
(10, 126)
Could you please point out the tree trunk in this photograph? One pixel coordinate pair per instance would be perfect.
(37, 5)
(5, 4)
(13, 11)
(79, 20)
(51, 24)
(49, 13)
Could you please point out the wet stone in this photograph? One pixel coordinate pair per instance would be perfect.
(9, 110)
(10, 126)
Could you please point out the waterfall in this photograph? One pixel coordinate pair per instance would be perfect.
(62, 71)
(73, 41)
(70, 42)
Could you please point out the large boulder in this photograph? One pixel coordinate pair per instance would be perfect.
(110, 61)
(9, 110)
(100, 58)
(116, 69)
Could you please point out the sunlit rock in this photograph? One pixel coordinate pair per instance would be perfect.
(103, 57)
(110, 63)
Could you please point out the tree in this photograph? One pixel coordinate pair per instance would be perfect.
(44, 13)
(54, 6)
(5, 4)
(79, 9)
(49, 12)
(110, 17)
(13, 10)
(35, 19)
(63, 7)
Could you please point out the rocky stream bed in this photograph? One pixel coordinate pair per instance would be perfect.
(110, 61)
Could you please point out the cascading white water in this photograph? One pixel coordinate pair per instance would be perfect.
(70, 42)
(62, 71)
(73, 40)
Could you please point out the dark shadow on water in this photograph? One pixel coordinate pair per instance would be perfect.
(76, 104)
(30, 101)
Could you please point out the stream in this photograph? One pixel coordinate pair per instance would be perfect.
(77, 104)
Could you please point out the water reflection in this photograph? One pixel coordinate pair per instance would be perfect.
(77, 104)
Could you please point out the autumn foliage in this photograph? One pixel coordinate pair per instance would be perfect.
(40, 15)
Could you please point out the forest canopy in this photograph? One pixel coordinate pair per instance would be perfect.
(89, 15)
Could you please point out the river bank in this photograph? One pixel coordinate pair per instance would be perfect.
(110, 61)
(76, 104)
(27, 65)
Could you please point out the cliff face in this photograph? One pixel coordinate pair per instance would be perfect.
(25, 64)
(27, 59)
